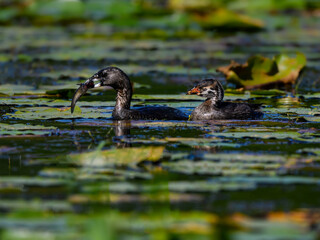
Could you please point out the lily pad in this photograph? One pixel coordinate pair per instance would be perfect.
(36, 113)
(92, 173)
(273, 228)
(56, 206)
(117, 157)
(225, 20)
(174, 186)
(262, 72)
(31, 181)
(23, 129)
(11, 89)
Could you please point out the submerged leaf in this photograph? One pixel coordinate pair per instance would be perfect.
(262, 72)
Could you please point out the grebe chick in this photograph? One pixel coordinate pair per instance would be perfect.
(215, 108)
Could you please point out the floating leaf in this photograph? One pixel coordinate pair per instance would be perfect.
(273, 228)
(174, 186)
(225, 20)
(24, 129)
(190, 5)
(126, 156)
(262, 72)
(54, 113)
(211, 15)
(58, 10)
(11, 89)
(129, 198)
(56, 206)
(201, 186)
(31, 181)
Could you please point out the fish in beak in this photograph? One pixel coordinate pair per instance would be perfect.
(90, 83)
(194, 90)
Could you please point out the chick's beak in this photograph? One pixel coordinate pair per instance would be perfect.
(194, 90)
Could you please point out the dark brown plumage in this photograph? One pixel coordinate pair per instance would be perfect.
(117, 79)
(215, 108)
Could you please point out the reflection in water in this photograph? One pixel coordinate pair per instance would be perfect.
(288, 101)
(122, 132)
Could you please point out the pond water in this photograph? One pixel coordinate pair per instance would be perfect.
(66, 176)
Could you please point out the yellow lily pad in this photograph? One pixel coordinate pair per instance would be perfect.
(223, 19)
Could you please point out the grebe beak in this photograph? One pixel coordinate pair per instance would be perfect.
(90, 83)
(194, 90)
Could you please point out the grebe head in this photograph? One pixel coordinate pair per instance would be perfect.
(208, 88)
(110, 76)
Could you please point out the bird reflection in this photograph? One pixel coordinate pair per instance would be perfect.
(122, 133)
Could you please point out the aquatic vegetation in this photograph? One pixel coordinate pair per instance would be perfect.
(224, 20)
(261, 72)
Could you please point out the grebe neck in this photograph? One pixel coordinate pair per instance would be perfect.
(123, 98)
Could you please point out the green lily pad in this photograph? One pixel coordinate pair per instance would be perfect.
(312, 150)
(174, 186)
(287, 180)
(34, 113)
(91, 173)
(229, 165)
(269, 134)
(31, 181)
(274, 229)
(218, 168)
(56, 206)
(23, 129)
(262, 72)
(11, 89)
(57, 10)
